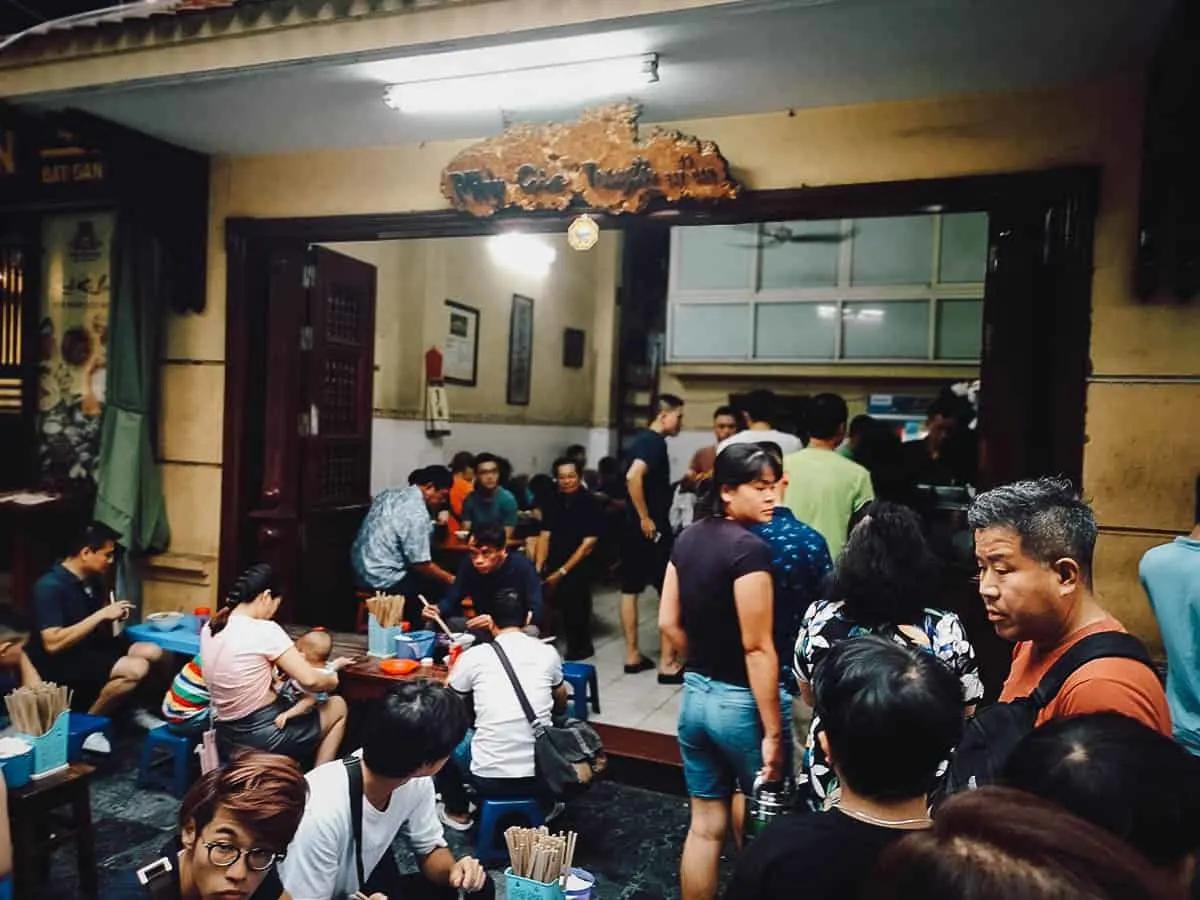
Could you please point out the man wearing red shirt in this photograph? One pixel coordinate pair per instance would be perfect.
(1034, 542)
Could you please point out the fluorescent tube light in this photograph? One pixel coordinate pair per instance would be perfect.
(525, 253)
(532, 88)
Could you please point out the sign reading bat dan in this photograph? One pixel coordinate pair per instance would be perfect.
(598, 162)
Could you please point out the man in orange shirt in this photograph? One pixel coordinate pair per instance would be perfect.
(1034, 542)
(462, 466)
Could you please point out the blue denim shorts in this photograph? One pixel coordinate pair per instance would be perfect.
(720, 737)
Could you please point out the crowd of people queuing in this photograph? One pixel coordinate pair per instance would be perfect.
(797, 611)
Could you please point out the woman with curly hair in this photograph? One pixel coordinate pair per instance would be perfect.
(879, 587)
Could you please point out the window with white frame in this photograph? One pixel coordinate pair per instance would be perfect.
(901, 289)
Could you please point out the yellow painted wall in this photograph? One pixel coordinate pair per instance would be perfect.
(414, 278)
(1135, 450)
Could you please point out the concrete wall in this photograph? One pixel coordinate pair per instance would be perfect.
(1140, 459)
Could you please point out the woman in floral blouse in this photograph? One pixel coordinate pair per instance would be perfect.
(879, 587)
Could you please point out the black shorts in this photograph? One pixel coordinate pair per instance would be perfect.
(643, 562)
(85, 672)
(257, 731)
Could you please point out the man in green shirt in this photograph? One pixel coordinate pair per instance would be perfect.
(825, 489)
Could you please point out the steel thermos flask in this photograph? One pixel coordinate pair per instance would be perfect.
(768, 800)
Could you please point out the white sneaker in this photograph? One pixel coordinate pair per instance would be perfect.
(96, 742)
(450, 822)
(148, 721)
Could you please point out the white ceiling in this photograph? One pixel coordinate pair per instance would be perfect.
(754, 57)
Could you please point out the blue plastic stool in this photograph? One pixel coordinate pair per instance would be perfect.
(179, 750)
(492, 811)
(79, 727)
(6, 888)
(585, 687)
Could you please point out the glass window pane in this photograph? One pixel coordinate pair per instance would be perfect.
(964, 248)
(894, 329)
(896, 250)
(790, 263)
(960, 329)
(709, 330)
(716, 257)
(795, 330)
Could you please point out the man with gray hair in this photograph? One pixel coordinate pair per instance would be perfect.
(1034, 542)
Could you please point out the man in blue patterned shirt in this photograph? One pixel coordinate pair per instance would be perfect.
(800, 561)
(392, 550)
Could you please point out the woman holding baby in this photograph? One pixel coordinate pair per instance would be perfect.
(239, 651)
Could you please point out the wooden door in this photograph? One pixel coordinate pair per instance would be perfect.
(338, 344)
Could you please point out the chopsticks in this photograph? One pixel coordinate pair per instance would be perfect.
(359, 895)
(537, 855)
(387, 609)
(436, 617)
(34, 710)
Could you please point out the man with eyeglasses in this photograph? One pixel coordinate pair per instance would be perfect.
(234, 825)
(488, 569)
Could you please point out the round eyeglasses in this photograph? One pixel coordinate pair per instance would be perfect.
(225, 855)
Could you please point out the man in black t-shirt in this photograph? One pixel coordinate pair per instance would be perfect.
(234, 825)
(646, 532)
(571, 526)
(890, 715)
(73, 641)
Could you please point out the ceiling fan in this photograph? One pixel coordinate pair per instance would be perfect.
(778, 235)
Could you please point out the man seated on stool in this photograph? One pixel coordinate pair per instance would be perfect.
(408, 736)
(235, 824)
(73, 641)
(498, 761)
(488, 569)
(392, 551)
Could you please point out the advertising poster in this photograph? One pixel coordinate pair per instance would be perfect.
(73, 334)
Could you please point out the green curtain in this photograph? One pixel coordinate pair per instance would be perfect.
(129, 496)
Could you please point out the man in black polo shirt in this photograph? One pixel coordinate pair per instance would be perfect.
(571, 526)
(488, 569)
(73, 641)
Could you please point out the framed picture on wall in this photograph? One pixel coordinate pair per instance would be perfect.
(573, 340)
(461, 348)
(520, 350)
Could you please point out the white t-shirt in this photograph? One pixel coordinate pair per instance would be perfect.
(238, 662)
(503, 743)
(788, 443)
(320, 860)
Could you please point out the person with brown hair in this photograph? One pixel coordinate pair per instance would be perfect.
(1001, 844)
(235, 824)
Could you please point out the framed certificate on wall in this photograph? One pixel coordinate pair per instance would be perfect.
(461, 363)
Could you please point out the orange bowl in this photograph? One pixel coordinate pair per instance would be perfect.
(399, 666)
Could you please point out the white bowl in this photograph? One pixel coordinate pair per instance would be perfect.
(165, 621)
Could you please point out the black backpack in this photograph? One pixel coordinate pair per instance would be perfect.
(993, 732)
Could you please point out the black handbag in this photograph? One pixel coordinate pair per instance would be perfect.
(567, 757)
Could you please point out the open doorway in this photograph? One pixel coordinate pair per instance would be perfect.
(1031, 309)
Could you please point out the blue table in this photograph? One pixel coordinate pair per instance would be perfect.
(185, 639)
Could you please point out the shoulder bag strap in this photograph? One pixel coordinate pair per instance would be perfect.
(354, 780)
(1106, 644)
(512, 677)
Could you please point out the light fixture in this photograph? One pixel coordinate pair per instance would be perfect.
(523, 253)
(530, 88)
(583, 233)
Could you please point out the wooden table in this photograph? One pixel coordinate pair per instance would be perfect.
(364, 680)
(37, 827)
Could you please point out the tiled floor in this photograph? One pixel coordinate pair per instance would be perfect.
(632, 701)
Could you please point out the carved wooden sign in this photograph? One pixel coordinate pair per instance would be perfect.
(598, 162)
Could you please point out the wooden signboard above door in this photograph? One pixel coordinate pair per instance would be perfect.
(598, 162)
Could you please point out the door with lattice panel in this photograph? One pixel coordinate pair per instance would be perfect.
(337, 344)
